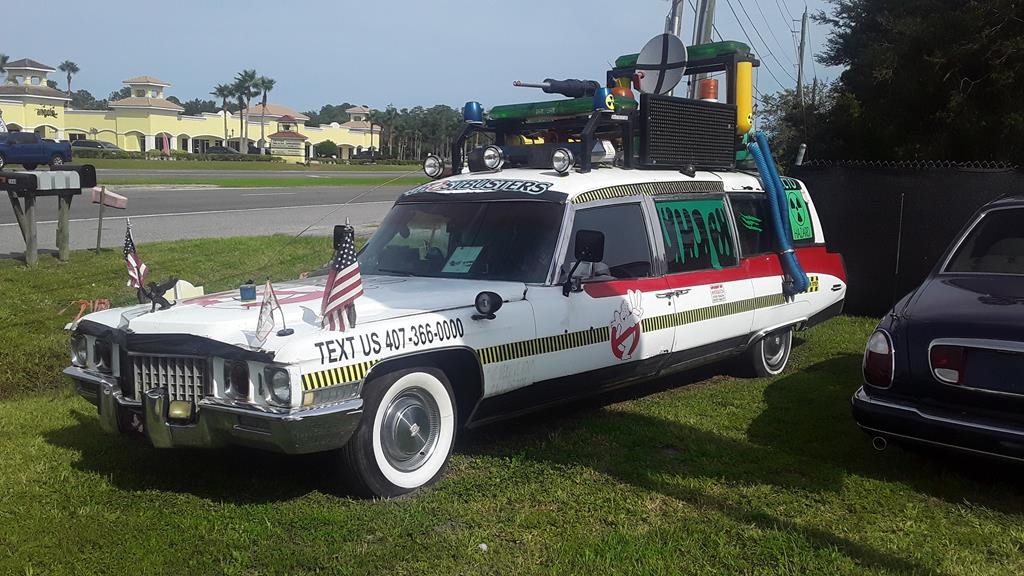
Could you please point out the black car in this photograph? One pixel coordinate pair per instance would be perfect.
(221, 150)
(95, 144)
(945, 367)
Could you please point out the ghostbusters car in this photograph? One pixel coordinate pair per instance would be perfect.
(554, 266)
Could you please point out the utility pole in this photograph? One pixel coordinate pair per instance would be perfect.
(704, 23)
(800, 62)
(674, 23)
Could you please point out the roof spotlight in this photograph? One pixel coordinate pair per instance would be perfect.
(433, 166)
(493, 157)
(562, 161)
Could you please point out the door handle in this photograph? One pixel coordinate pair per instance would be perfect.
(682, 291)
(665, 294)
(672, 293)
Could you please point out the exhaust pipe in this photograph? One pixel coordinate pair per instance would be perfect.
(879, 443)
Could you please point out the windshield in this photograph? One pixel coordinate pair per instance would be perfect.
(510, 240)
(995, 245)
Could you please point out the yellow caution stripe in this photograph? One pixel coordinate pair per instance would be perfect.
(710, 312)
(813, 286)
(335, 376)
(649, 189)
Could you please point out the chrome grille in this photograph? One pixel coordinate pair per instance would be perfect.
(183, 376)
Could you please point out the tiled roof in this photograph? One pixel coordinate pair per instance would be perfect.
(136, 102)
(275, 111)
(358, 110)
(287, 135)
(29, 90)
(29, 63)
(146, 80)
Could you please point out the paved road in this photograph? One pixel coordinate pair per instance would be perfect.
(103, 173)
(189, 212)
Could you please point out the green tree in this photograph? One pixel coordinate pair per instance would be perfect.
(197, 106)
(4, 59)
(121, 94)
(84, 100)
(326, 148)
(224, 91)
(789, 124)
(264, 85)
(925, 80)
(70, 69)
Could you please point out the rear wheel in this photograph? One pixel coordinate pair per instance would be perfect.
(57, 160)
(406, 434)
(30, 166)
(770, 354)
(3, 161)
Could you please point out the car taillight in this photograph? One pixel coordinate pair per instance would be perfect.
(947, 363)
(878, 360)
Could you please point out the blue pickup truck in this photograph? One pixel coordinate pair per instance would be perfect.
(29, 150)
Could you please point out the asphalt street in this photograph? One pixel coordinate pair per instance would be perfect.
(104, 173)
(181, 212)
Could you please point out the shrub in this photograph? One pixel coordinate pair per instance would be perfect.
(326, 148)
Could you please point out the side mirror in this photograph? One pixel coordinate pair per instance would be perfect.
(589, 247)
(487, 303)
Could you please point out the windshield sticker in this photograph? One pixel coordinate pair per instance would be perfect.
(483, 185)
(462, 259)
(799, 218)
(626, 327)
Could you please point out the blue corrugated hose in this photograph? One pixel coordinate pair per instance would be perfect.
(796, 279)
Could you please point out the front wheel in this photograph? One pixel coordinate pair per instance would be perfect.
(3, 161)
(406, 434)
(57, 160)
(770, 354)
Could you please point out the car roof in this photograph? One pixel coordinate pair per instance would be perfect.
(1012, 201)
(574, 185)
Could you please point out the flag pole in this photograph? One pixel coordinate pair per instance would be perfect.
(285, 330)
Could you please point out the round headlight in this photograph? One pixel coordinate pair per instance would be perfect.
(493, 157)
(562, 161)
(238, 378)
(280, 385)
(102, 356)
(433, 166)
(79, 350)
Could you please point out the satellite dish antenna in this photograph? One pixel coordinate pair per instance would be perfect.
(660, 65)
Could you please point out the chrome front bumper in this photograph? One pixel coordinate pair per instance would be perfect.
(220, 423)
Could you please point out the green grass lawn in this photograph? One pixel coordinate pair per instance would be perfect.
(227, 165)
(276, 182)
(698, 474)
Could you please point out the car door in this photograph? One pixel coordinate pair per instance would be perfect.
(604, 334)
(17, 147)
(713, 297)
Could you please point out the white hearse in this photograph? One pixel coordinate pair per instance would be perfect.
(530, 278)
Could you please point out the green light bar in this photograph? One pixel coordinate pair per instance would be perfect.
(694, 53)
(571, 107)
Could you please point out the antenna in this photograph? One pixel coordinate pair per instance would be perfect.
(661, 64)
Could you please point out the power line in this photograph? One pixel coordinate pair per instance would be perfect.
(771, 29)
(713, 27)
(747, 36)
(766, 47)
(788, 13)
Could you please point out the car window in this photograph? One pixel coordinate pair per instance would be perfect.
(697, 235)
(627, 249)
(753, 226)
(995, 245)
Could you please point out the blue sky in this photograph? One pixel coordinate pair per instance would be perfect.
(379, 52)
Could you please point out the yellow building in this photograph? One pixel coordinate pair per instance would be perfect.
(146, 119)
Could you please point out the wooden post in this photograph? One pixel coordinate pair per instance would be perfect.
(63, 227)
(99, 224)
(19, 214)
(31, 242)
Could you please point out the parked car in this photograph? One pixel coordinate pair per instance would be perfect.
(945, 367)
(96, 145)
(27, 149)
(221, 150)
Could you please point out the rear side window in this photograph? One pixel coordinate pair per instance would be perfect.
(697, 235)
(994, 246)
(753, 224)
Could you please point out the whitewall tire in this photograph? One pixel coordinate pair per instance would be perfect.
(770, 354)
(406, 434)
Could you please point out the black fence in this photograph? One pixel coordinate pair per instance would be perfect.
(859, 204)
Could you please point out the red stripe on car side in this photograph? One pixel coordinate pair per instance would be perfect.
(814, 259)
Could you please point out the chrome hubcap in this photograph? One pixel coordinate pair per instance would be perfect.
(411, 427)
(774, 348)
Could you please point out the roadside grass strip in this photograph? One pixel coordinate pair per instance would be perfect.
(273, 182)
(124, 164)
(701, 473)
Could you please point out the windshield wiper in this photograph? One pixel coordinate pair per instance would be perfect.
(397, 272)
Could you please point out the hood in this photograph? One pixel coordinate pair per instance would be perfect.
(223, 317)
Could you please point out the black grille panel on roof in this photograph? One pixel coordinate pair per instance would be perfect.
(681, 132)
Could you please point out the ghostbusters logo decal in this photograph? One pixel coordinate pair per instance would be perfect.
(625, 326)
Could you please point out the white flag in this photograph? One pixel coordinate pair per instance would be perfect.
(266, 322)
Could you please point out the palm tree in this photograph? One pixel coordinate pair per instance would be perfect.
(224, 91)
(69, 68)
(4, 58)
(244, 90)
(264, 85)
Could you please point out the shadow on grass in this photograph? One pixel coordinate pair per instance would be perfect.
(235, 474)
(805, 440)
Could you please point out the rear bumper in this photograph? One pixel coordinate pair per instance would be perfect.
(958, 431)
(216, 423)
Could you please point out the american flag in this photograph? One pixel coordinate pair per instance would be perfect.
(136, 268)
(344, 285)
